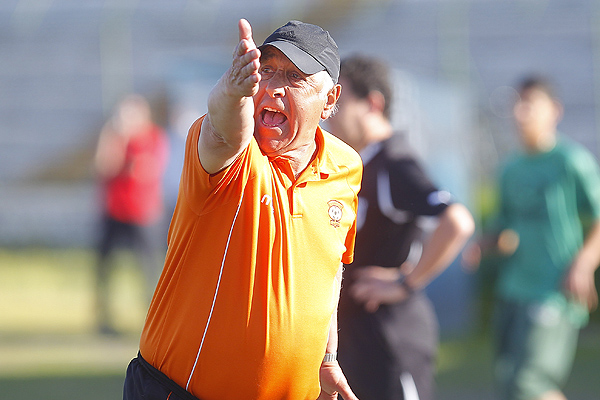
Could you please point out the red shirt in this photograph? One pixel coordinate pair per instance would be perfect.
(134, 195)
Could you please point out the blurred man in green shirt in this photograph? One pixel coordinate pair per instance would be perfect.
(549, 224)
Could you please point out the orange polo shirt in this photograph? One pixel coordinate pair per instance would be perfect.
(243, 306)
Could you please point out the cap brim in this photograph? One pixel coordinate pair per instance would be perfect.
(301, 59)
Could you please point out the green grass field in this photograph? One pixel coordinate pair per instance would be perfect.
(48, 345)
(49, 348)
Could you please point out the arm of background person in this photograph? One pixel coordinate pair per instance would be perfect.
(579, 282)
(455, 227)
(376, 285)
(229, 124)
(109, 159)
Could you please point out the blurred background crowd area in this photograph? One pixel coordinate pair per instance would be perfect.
(65, 64)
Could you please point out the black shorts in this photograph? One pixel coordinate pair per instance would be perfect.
(144, 382)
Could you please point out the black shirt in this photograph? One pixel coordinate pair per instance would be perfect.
(395, 193)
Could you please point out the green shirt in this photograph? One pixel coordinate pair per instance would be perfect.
(544, 198)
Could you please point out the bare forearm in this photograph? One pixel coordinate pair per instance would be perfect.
(331, 377)
(231, 115)
(455, 227)
(591, 246)
(589, 254)
(579, 281)
(332, 341)
(110, 154)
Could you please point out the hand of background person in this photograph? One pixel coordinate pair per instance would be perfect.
(376, 285)
(508, 242)
(580, 285)
(504, 244)
(333, 382)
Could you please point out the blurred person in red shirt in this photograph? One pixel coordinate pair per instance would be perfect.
(130, 161)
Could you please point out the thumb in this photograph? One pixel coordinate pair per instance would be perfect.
(245, 30)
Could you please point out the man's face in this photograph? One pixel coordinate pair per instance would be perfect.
(536, 115)
(289, 104)
(347, 121)
(133, 116)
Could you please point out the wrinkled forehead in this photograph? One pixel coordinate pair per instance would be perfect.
(269, 53)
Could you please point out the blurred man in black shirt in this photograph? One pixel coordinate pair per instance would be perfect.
(388, 329)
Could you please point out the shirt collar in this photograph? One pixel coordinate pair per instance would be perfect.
(323, 164)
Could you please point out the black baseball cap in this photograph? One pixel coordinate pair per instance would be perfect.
(308, 46)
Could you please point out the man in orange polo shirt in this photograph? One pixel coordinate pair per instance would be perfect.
(246, 307)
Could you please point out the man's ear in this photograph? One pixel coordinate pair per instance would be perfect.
(332, 97)
(376, 101)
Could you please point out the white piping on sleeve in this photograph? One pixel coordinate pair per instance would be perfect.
(409, 388)
(385, 202)
(212, 307)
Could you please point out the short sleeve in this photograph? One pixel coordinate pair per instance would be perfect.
(203, 191)
(412, 190)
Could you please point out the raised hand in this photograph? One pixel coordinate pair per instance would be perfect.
(243, 77)
(230, 123)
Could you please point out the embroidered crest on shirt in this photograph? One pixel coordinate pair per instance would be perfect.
(335, 212)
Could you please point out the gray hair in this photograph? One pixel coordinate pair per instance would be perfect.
(328, 86)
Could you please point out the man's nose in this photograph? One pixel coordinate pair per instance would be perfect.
(276, 85)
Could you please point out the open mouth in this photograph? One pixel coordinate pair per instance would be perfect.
(272, 117)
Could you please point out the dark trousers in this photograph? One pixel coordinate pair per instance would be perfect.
(144, 382)
(389, 354)
(143, 241)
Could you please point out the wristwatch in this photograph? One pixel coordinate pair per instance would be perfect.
(330, 357)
